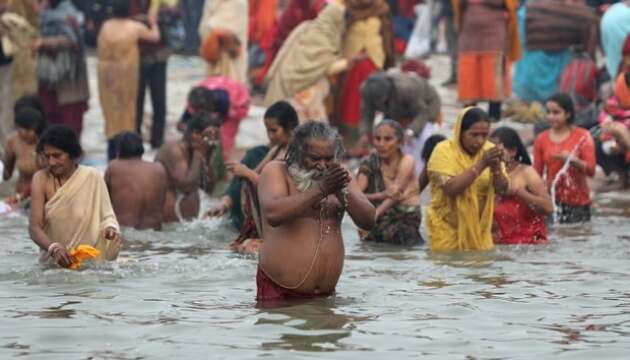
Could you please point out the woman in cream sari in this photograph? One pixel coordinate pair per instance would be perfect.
(310, 54)
(465, 172)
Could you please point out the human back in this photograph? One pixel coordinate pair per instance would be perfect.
(137, 189)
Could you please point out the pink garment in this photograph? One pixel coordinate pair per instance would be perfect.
(239, 107)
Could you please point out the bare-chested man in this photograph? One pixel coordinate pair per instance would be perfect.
(303, 200)
(188, 165)
(137, 187)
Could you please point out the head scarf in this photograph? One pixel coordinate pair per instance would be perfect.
(463, 222)
(307, 54)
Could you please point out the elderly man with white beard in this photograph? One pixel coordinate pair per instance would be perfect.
(303, 200)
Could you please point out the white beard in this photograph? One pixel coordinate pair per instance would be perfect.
(303, 179)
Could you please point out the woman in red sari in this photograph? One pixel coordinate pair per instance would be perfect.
(519, 216)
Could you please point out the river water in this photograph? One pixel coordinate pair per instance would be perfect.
(180, 294)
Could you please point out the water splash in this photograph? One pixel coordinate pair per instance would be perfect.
(563, 170)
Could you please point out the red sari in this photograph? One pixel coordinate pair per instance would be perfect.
(518, 223)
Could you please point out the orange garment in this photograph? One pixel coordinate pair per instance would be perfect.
(485, 77)
(572, 189)
(82, 253)
(262, 18)
(515, 51)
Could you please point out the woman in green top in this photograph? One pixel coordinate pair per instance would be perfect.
(280, 120)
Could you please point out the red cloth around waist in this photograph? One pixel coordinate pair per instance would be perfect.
(270, 291)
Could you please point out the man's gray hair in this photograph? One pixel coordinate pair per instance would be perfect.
(309, 131)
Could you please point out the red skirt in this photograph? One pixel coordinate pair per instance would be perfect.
(270, 291)
(350, 103)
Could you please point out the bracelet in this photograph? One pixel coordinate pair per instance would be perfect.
(52, 247)
(474, 171)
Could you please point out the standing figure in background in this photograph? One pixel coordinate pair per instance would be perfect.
(561, 146)
(519, 215)
(614, 28)
(446, 13)
(488, 44)
(153, 63)
(192, 11)
(24, 80)
(15, 33)
(300, 71)
(369, 34)
(118, 65)
(223, 31)
(61, 66)
(295, 13)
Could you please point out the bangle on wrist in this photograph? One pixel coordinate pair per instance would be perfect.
(53, 247)
(474, 171)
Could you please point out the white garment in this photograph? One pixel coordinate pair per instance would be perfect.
(420, 40)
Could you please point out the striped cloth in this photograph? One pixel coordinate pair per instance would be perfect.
(552, 25)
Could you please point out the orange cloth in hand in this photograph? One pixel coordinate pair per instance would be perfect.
(82, 253)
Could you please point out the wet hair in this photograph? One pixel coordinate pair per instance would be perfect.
(28, 101)
(128, 145)
(284, 113)
(376, 87)
(30, 119)
(201, 98)
(63, 138)
(398, 129)
(120, 8)
(510, 140)
(199, 122)
(430, 144)
(308, 131)
(566, 103)
(472, 117)
(221, 102)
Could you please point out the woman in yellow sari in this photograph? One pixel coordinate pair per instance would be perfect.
(465, 172)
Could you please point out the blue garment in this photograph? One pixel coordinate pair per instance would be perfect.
(537, 74)
(615, 26)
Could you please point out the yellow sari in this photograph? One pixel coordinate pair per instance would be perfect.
(463, 222)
